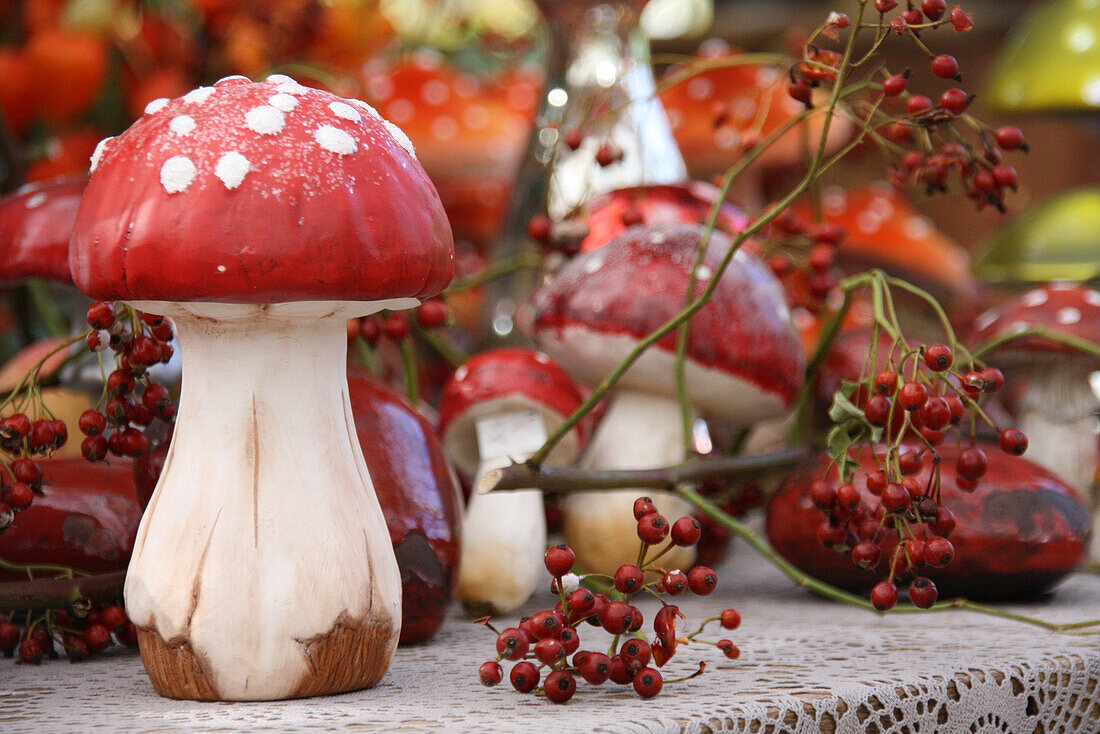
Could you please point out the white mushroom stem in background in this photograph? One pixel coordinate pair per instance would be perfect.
(1057, 414)
(639, 431)
(503, 543)
(263, 537)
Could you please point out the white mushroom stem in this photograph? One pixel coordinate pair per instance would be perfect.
(264, 542)
(639, 431)
(1058, 414)
(503, 542)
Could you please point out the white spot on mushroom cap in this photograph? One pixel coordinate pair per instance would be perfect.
(917, 227)
(292, 87)
(1034, 298)
(401, 138)
(435, 92)
(834, 200)
(231, 168)
(279, 79)
(704, 273)
(727, 138)
(1017, 326)
(593, 264)
(100, 149)
(987, 318)
(700, 88)
(868, 221)
(284, 102)
(444, 128)
(221, 268)
(1092, 298)
(198, 96)
(335, 140)
(461, 373)
(177, 173)
(542, 358)
(36, 200)
(265, 120)
(1067, 316)
(233, 80)
(881, 206)
(182, 124)
(345, 111)
(156, 105)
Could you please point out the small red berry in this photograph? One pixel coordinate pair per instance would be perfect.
(917, 103)
(30, 651)
(866, 554)
(396, 326)
(885, 6)
(21, 496)
(648, 682)
(894, 85)
(432, 314)
(101, 315)
(945, 66)
(993, 380)
(686, 531)
(1013, 441)
(731, 619)
(595, 668)
(490, 673)
(617, 617)
(702, 580)
(971, 464)
(962, 21)
(549, 650)
(512, 644)
(629, 579)
(642, 507)
(581, 601)
(653, 528)
(923, 592)
(876, 482)
(934, 414)
(822, 493)
(608, 154)
(559, 560)
(886, 382)
(884, 595)
(895, 497)
(939, 552)
(560, 686)
(1010, 137)
(619, 672)
(675, 582)
(938, 357)
(912, 461)
(877, 410)
(847, 496)
(635, 653)
(524, 676)
(728, 649)
(27, 471)
(912, 395)
(933, 9)
(97, 637)
(955, 100)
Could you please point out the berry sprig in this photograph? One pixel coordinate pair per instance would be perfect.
(904, 411)
(130, 401)
(79, 631)
(541, 645)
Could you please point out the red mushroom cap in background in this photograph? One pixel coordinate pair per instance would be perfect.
(462, 125)
(885, 231)
(36, 224)
(87, 520)
(656, 204)
(713, 112)
(745, 361)
(260, 193)
(1064, 308)
(499, 380)
(1018, 533)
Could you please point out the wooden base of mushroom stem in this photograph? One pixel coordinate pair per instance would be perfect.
(350, 657)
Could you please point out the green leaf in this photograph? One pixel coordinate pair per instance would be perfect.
(843, 408)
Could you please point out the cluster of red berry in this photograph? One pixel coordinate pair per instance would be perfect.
(130, 399)
(913, 417)
(394, 325)
(79, 632)
(803, 255)
(546, 640)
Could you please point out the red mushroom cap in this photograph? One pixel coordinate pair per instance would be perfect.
(36, 224)
(745, 360)
(1065, 308)
(657, 204)
(509, 377)
(885, 231)
(260, 193)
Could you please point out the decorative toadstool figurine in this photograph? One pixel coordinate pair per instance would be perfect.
(260, 217)
(36, 224)
(1057, 410)
(497, 409)
(744, 363)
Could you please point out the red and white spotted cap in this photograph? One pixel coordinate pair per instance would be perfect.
(502, 380)
(744, 359)
(36, 224)
(1063, 308)
(260, 192)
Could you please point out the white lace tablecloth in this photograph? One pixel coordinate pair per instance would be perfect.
(807, 665)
